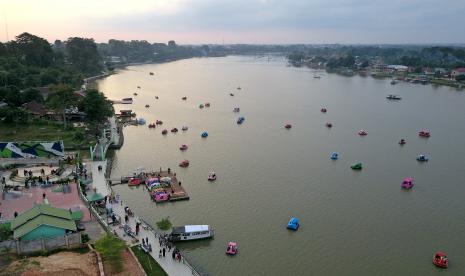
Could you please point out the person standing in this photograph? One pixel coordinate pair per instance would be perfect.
(137, 228)
(164, 251)
(159, 254)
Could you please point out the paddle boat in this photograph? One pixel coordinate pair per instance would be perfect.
(184, 163)
(156, 97)
(407, 183)
(323, 110)
(158, 122)
(293, 224)
(240, 120)
(204, 134)
(334, 156)
(212, 176)
(316, 76)
(236, 109)
(231, 249)
(152, 125)
(402, 142)
(231, 94)
(362, 132)
(151, 181)
(138, 87)
(393, 82)
(184, 128)
(422, 158)
(440, 259)
(184, 98)
(329, 125)
(239, 88)
(287, 126)
(140, 121)
(161, 197)
(151, 73)
(393, 97)
(174, 130)
(201, 106)
(207, 105)
(183, 147)
(135, 94)
(164, 132)
(424, 133)
(147, 106)
(134, 182)
(356, 166)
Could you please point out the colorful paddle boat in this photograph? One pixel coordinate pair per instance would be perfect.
(356, 166)
(184, 163)
(407, 183)
(287, 126)
(362, 132)
(422, 158)
(183, 147)
(440, 260)
(212, 176)
(231, 249)
(240, 120)
(134, 182)
(424, 133)
(204, 134)
(293, 224)
(334, 156)
(161, 197)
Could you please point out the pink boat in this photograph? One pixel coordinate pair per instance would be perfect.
(362, 132)
(288, 126)
(407, 183)
(161, 197)
(232, 248)
(183, 147)
(424, 133)
(134, 182)
(184, 163)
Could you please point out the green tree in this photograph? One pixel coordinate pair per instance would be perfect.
(96, 106)
(31, 94)
(62, 97)
(35, 50)
(110, 247)
(164, 224)
(83, 54)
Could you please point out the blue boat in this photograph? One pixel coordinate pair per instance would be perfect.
(293, 224)
(204, 134)
(422, 158)
(141, 121)
(240, 120)
(334, 156)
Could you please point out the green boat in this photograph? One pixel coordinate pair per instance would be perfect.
(357, 166)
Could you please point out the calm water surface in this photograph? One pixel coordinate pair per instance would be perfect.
(352, 223)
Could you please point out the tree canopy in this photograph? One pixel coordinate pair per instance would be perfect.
(96, 106)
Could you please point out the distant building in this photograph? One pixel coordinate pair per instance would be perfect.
(398, 68)
(457, 72)
(43, 221)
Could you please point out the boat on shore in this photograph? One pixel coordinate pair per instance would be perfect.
(191, 232)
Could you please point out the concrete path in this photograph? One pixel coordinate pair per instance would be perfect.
(98, 177)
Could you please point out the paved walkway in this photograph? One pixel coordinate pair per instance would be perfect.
(98, 177)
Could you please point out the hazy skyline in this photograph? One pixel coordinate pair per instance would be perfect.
(240, 21)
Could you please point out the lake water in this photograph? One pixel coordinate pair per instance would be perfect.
(352, 222)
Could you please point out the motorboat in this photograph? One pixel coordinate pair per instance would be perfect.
(293, 224)
(164, 132)
(393, 97)
(393, 82)
(183, 147)
(407, 183)
(323, 110)
(424, 133)
(316, 76)
(135, 94)
(207, 104)
(422, 158)
(334, 156)
(212, 176)
(231, 94)
(402, 142)
(184, 128)
(156, 97)
(356, 166)
(236, 109)
(174, 130)
(140, 121)
(152, 125)
(184, 98)
(231, 249)
(191, 232)
(362, 132)
(151, 73)
(329, 125)
(239, 88)
(287, 126)
(126, 101)
(138, 87)
(147, 106)
(440, 259)
(240, 120)
(134, 182)
(158, 122)
(204, 134)
(201, 106)
(184, 163)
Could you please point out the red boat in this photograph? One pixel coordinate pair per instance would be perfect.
(323, 110)
(424, 133)
(184, 163)
(207, 105)
(158, 122)
(174, 130)
(152, 125)
(183, 147)
(288, 126)
(329, 125)
(134, 182)
(164, 132)
(440, 260)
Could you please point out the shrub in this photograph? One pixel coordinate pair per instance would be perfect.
(110, 247)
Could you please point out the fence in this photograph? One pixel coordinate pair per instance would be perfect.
(22, 247)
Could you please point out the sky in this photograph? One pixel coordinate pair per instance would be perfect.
(239, 21)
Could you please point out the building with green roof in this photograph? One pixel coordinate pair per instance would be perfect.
(43, 221)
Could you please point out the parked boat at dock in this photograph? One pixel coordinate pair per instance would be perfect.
(191, 232)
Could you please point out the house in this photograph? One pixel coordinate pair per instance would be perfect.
(398, 68)
(43, 221)
(35, 108)
(3, 104)
(457, 72)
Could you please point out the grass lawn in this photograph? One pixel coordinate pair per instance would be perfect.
(43, 131)
(151, 267)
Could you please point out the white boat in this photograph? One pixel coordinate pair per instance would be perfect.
(126, 101)
(191, 232)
